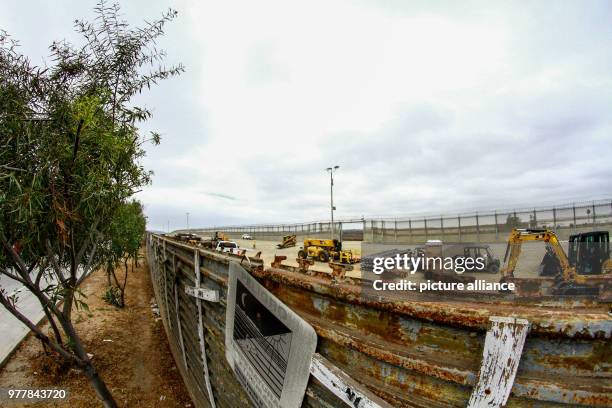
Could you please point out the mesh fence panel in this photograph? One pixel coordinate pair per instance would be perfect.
(486, 226)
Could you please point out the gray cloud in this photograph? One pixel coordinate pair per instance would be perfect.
(268, 102)
(223, 196)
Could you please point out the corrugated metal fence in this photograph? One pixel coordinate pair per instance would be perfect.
(408, 351)
(193, 334)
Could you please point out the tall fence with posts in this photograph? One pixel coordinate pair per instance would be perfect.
(482, 226)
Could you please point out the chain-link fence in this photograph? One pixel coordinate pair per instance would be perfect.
(484, 226)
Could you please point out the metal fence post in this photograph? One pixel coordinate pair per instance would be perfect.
(372, 229)
(442, 226)
(196, 267)
(410, 228)
(574, 210)
(395, 230)
(363, 229)
(166, 286)
(496, 228)
(178, 322)
(594, 216)
(555, 219)
(425, 222)
(477, 228)
(459, 224)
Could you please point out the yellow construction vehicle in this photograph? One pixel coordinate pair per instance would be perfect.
(288, 242)
(325, 250)
(566, 281)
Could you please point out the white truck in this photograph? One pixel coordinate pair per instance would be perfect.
(229, 247)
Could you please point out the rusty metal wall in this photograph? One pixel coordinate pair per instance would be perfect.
(409, 352)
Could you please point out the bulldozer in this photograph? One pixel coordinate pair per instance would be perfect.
(589, 255)
(325, 250)
(288, 242)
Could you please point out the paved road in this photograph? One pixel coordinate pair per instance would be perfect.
(12, 330)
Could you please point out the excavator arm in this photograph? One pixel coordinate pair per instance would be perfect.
(515, 242)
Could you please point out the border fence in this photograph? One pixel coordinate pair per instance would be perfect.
(191, 287)
(483, 226)
(432, 351)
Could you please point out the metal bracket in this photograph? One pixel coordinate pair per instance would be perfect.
(304, 264)
(278, 260)
(339, 271)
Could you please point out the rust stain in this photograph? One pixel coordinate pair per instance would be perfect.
(427, 351)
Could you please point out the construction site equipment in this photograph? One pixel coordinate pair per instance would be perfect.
(474, 251)
(589, 252)
(288, 242)
(188, 237)
(325, 250)
(212, 242)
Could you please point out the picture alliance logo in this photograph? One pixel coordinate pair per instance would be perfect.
(458, 264)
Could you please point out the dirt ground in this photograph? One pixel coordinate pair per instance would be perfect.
(130, 350)
(527, 267)
(268, 251)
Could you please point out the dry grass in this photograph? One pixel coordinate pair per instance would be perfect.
(130, 350)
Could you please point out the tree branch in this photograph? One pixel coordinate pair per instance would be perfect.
(38, 333)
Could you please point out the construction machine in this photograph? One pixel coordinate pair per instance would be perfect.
(570, 273)
(189, 238)
(325, 250)
(211, 243)
(288, 242)
(589, 253)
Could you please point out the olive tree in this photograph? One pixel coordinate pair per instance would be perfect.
(70, 151)
(122, 245)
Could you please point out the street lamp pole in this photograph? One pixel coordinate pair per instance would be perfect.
(187, 220)
(331, 195)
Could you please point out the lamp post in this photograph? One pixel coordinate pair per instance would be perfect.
(331, 192)
(187, 220)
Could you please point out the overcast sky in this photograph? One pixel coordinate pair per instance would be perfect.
(426, 106)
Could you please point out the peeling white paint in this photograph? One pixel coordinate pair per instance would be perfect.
(501, 356)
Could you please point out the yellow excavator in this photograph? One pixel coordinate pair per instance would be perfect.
(594, 258)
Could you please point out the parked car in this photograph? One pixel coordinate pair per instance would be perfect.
(246, 236)
(229, 247)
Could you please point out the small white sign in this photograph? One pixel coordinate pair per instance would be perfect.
(209, 295)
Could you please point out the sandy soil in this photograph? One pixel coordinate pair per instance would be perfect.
(130, 352)
(527, 266)
(268, 251)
